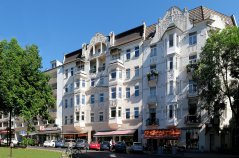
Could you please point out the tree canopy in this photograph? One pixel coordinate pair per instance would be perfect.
(24, 88)
(218, 71)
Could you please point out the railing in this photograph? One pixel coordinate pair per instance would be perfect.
(150, 122)
(192, 119)
(152, 99)
(92, 70)
(101, 68)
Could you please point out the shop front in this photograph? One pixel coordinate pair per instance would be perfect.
(71, 132)
(127, 136)
(48, 133)
(162, 137)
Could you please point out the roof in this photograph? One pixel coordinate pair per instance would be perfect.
(150, 31)
(72, 56)
(201, 13)
(129, 36)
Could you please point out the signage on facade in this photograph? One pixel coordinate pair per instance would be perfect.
(42, 128)
(162, 133)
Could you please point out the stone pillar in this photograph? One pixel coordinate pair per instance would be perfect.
(93, 49)
(101, 48)
(97, 65)
(89, 136)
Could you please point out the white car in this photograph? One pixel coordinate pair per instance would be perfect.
(49, 143)
(13, 140)
(136, 147)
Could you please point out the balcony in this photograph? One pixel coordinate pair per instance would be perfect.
(92, 71)
(192, 93)
(81, 72)
(115, 122)
(102, 68)
(152, 122)
(172, 122)
(191, 67)
(117, 62)
(152, 99)
(192, 119)
(152, 77)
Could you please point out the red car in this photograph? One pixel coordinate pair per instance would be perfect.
(94, 146)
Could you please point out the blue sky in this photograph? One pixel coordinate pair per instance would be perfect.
(59, 27)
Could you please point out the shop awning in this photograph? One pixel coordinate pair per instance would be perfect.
(110, 133)
(162, 134)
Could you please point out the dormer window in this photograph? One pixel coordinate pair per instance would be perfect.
(192, 38)
(171, 40)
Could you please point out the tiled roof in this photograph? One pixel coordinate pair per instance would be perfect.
(129, 36)
(150, 31)
(202, 13)
(72, 56)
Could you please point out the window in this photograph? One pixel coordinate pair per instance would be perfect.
(66, 73)
(136, 91)
(120, 73)
(192, 38)
(101, 97)
(53, 65)
(127, 111)
(113, 112)
(77, 83)
(120, 92)
(101, 116)
(153, 51)
(113, 93)
(72, 102)
(192, 59)
(82, 116)
(128, 73)
(127, 92)
(136, 51)
(92, 83)
(192, 86)
(171, 40)
(136, 71)
(101, 81)
(66, 103)
(119, 111)
(128, 54)
(77, 116)
(92, 117)
(136, 112)
(65, 120)
(92, 99)
(66, 88)
(170, 111)
(83, 99)
(71, 119)
(83, 83)
(113, 74)
(152, 91)
(77, 99)
(170, 87)
(170, 63)
(71, 87)
(72, 71)
(153, 67)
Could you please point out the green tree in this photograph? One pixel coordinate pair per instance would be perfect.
(218, 73)
(24, 88)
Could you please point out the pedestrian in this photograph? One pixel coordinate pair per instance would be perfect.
(111, 144)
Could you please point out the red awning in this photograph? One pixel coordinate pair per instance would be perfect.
(162, 134)
(110, 133)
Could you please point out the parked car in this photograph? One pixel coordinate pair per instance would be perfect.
(70, 142)
(49, 143)
(105, 145)
(120, 147)
(136, 147)
(60, 144)
(82, 144)
(13, 140)
(94, 146)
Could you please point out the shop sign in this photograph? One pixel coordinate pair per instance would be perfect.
(23, 133)
(42, 128)
(163, 133)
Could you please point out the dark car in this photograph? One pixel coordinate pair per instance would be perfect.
(105, 145)
(82, 144)
(59, 143)
(120, 147)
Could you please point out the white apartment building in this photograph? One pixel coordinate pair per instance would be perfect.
(137, 85)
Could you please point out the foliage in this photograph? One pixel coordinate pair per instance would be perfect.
(24, 89)
(152, 73)
(28, 141)
(218, 71)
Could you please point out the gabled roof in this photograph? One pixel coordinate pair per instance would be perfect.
(73, 56)
(201, 13)
(129, 36)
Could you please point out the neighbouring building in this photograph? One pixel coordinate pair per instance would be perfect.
(137, 85)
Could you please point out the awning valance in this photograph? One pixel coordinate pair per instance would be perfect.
(162, 134)
(110, 133)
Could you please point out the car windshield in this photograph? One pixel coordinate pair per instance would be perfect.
(80, 141)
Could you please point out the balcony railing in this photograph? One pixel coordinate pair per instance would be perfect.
(93, 70)
(192, 93)
(152, 75)
(152, 122)
(101, 68)
(192, 119)
(152, 99)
